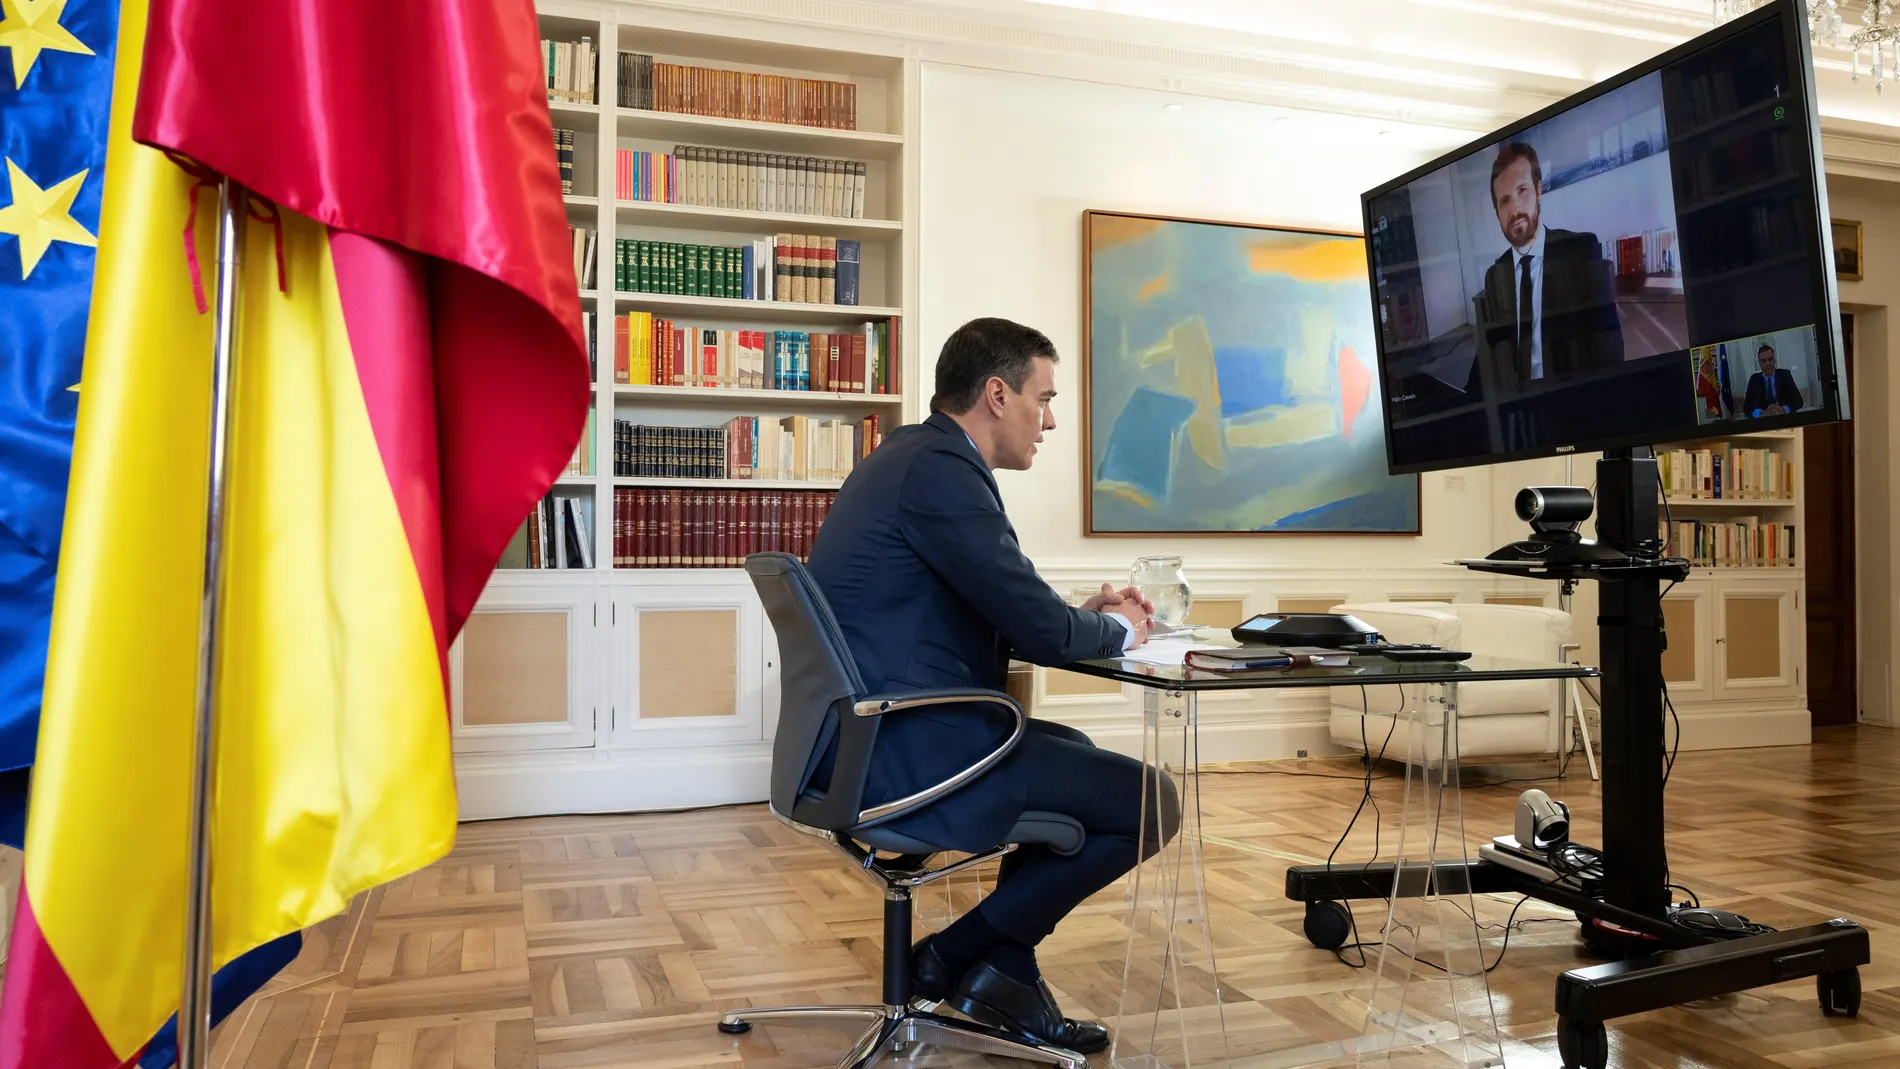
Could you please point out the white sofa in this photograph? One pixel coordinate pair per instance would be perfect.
(1497, 719)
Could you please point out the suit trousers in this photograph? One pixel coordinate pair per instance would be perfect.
(1066, 773)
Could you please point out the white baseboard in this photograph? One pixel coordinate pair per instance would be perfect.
(1741, 727)
(492, 786)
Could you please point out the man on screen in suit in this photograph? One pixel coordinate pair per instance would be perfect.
(1771, 391)
(1548, 309)
(921, 567)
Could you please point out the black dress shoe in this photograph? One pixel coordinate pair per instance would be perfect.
(930, 976)
(989, 996)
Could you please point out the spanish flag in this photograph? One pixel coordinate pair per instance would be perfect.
(410, 378)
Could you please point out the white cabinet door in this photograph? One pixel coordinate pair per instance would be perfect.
(523, 674)
(1758, 642)
(689, 661)
(1689, 629)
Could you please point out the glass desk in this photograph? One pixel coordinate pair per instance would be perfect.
(1170, 1014)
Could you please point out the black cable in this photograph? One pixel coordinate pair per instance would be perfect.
(1669, 521)
(1365, 746)
(1676, 743)
(1663, 631)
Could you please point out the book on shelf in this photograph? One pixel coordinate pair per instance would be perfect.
(646, 176)
(652, 351)
(669, 528)
(564, 156)
(588, 323)
(555, 535)
(651, 85)
(582, 462)
(788, 449)
(670, 267)
(1739, 543)
(805, 269)
(1725, 473)
(794, 268)
(583, 242)
(571, 69)
(742, 181)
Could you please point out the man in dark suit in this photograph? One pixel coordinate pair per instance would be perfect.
(921, 567)
(1771, 391)
(1548, 309)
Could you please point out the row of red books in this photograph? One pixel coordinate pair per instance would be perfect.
(713, 528)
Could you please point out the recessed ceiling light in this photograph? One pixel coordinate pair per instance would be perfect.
(1173, 105)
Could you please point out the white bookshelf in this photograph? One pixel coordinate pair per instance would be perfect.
(757, 313)
(886, 233)
(618, 689)
(1737, 653)
(762, 400)
(736, 221)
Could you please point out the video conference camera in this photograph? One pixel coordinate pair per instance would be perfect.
(1555, 514)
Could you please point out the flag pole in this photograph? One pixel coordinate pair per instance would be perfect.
(194, 1009)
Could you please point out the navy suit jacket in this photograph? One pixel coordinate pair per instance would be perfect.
(921, 567)
(1787, 394)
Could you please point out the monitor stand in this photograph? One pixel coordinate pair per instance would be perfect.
(1664, 963)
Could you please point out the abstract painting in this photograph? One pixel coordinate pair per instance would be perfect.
(1229, 383)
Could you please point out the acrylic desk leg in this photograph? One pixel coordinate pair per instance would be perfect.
(1169, 1013)
(1420, 1015)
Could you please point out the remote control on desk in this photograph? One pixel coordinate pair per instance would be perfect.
(1381, 647)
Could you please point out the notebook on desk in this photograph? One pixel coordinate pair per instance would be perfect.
(1258, 658)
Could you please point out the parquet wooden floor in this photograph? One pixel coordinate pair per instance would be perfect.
(575, 943)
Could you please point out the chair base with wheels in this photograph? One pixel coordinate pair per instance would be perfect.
(903, 1020)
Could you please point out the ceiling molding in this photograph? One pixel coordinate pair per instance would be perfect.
(1083, 45)
(1861, 157)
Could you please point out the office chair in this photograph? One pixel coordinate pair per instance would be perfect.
(821, 699)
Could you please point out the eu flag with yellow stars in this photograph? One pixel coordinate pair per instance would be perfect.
(56, 79)
(55, 94)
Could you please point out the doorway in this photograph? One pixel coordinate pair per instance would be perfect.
(1828, 470)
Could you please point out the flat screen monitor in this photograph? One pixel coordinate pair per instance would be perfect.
(1647, 261)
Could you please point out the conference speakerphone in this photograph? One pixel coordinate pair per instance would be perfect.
(1330, 630)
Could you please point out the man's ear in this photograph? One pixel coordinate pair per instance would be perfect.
(994, 394)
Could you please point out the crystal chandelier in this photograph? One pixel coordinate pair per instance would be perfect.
(1879, 35)
(1824, 18)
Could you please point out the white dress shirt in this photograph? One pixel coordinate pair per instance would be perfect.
(1536, 252)
(1128, 629)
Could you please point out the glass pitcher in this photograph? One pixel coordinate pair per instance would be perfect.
(1161, 581)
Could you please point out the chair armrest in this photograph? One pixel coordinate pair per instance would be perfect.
(893, 703)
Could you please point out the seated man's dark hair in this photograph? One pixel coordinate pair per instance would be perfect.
(979, 351)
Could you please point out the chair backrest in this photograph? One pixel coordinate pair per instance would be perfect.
(818, 684)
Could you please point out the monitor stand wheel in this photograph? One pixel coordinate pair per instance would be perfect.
(1583, 1044)
(1839, 992)
(1328, 924)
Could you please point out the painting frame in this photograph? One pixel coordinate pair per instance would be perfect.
(1090, 527)
(1845, 269)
